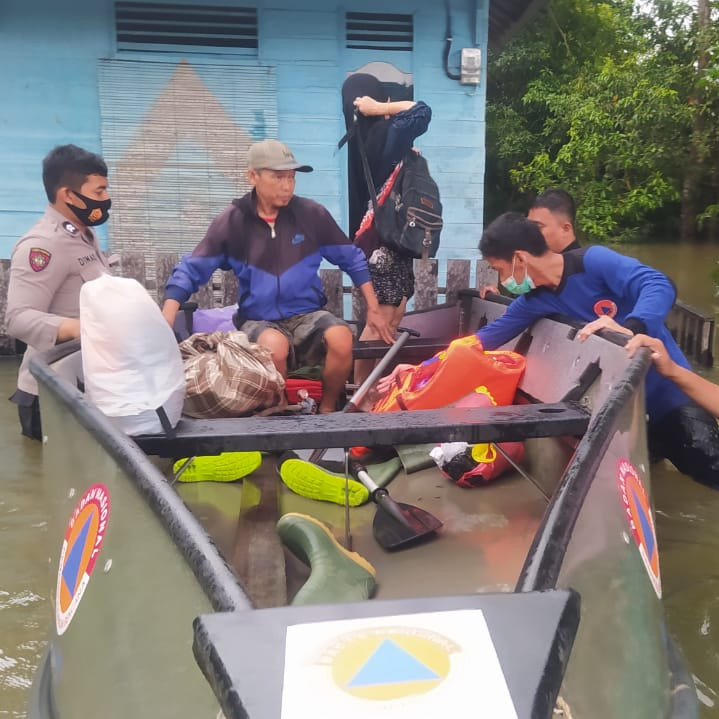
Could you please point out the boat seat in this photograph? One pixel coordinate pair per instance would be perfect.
(530, 636)
(513, 423)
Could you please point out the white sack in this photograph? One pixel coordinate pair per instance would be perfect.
(130, 358)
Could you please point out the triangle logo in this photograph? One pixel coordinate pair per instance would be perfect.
(391, 664)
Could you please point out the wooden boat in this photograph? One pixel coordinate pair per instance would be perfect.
(541, 590)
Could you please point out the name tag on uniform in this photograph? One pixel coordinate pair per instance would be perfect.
(87, 259)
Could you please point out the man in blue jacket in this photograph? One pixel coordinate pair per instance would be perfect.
(608, 291)
(274, 242)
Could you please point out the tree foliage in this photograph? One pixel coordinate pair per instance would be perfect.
(616, 106)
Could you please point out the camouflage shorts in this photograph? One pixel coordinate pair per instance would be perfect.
(305, 333)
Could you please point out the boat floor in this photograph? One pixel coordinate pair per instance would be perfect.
(486, 533)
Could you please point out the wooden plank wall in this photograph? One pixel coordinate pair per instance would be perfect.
(222, 290)
(694, 332)
(692, 328)
(7, 345)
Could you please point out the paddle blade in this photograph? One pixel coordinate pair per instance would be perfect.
(382, 499)
(417, 526)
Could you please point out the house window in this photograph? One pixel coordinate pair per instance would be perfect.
(186, 28)
(379, 31)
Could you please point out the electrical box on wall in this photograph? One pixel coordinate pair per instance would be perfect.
(470, 65)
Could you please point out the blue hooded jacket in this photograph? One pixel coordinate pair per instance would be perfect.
(276, 270)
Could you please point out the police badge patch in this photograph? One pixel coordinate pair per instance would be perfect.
(39, 259)
(69, 227)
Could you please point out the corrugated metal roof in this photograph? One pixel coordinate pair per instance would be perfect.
(507, 16)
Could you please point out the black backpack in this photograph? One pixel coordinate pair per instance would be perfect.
(409, 221)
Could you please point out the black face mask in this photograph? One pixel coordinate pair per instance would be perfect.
(94, 213)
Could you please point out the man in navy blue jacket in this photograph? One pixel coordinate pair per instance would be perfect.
(274, 242)
(608, 291)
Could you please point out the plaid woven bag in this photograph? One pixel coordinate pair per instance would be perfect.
(226, 375)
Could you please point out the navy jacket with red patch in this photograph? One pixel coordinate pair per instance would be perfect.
(596, 281)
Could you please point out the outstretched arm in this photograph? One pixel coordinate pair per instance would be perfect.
(170, 308)
(196, 268)
(369, 106)
(702, 391)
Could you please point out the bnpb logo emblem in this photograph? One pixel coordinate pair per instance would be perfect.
(639, 514)
(390, 662)
(80, 549)
(605, 308)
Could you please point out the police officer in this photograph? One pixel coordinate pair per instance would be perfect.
(52, 261)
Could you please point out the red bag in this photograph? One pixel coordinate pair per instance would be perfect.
(294, 385)
(475, 465)
(478, 464)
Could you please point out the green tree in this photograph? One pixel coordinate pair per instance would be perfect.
(603, 100)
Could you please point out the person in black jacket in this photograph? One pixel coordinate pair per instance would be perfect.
(274, 242)
(388, 129)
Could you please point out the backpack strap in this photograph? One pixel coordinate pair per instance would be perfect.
(365, 169)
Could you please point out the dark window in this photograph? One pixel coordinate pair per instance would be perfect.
(160, 26)
(379, 31)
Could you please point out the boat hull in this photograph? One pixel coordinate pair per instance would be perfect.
(171, 551)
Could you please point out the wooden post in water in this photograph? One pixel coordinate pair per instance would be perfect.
(7, 344)
(694, 332)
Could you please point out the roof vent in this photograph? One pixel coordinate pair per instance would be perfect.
(193, 28)
(379, 31)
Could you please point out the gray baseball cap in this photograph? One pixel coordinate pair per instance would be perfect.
(273, 155)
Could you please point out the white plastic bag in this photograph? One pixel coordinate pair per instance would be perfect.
(130, 358)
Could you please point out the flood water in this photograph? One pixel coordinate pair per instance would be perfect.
(687, 524)
(24, 579)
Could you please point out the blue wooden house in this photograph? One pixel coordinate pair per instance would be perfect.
(173, 93)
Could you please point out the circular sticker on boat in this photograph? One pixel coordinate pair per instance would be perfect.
(80, 549)
(639, 514)
(390, 662)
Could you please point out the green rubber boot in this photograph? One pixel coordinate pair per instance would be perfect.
(310, 480)
(337, 575)
(225, 467)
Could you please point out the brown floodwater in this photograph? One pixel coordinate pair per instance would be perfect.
(24, 579)
(687, 524)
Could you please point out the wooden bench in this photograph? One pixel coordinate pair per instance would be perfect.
(473, 425)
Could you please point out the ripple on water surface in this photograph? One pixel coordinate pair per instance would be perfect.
(24, 609)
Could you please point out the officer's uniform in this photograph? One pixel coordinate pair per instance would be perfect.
(48, 267)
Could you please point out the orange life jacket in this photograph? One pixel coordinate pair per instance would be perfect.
(454, 373)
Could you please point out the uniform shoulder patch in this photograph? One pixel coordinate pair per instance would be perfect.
(39, 259)
(70, 228)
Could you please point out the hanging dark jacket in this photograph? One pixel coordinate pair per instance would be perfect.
(386, 141)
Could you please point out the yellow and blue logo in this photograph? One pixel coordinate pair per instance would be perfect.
(80, 549)
(639, 513)
(388, 663)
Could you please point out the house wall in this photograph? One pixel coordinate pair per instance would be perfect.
(49, 53)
